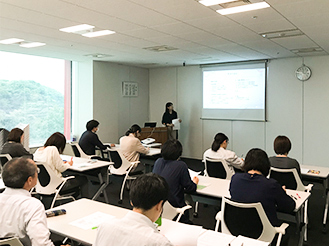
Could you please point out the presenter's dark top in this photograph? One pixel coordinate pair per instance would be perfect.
(89, 141)
(167, 117)
(250, 188)
(178, 178)
(285, 163)
(15, 149)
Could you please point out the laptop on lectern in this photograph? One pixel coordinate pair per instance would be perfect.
(150, 124)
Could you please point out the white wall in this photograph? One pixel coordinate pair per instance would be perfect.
(82, 96)
(294, 108)
(115, 112)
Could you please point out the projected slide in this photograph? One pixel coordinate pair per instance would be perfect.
(234, 89)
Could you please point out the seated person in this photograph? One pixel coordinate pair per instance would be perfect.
(131, 147)
(282, 146)
(21, 215)
(14, 146)
(89, 139)
(147, 195)
(176, 174)
(218, 151)
(50, 154)
(253, 186)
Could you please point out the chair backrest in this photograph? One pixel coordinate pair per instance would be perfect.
(48, 181)
(287, 177)
(246, 219)
(77, 150)
(4, 158)
(121, 164)
(168, 212)
(217, 168)
(14, 241)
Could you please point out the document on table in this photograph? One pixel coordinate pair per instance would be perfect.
(212, 238)
(180, 234)
(81, 165)
(193, 173)
(91, 221)
(176, 124)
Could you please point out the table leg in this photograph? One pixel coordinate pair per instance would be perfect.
(102, 188)
(324, 230)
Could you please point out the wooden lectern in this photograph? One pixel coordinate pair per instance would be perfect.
(160, 134)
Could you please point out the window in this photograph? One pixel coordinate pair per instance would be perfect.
(36, 91)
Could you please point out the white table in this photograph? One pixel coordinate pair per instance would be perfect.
(217, 188)
(323, 176)
(177, 233)
(152, 152)
(82, 165)
(76, 210)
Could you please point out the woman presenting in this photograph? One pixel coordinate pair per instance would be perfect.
(169, 115)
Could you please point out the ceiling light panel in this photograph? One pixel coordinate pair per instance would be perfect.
(77, 28)
(215, 2)
(32, 45)
(243, 8)
(282, 34)
(98, 33)
(11, 41)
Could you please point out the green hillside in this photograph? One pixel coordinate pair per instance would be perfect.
(31, 103)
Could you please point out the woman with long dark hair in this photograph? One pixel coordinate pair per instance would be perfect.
(219, 150)
(130, 145)
(14, 146)
(50, 154)
(167, 117)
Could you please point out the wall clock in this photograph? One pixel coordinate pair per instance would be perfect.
(303, 73)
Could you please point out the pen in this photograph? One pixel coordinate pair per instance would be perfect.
(298, 196)
(94, 227)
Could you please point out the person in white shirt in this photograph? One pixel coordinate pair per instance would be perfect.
(21, 215)
(50, 154)
(130, 145)
(147, 195)
(218, 151)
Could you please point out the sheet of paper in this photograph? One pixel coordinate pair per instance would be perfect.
(81, 165)
(244, 241)
(212, 238)
(173, 231)
(176, 124)
(193, 173)
(91, 221)
(304, 170)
